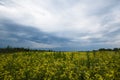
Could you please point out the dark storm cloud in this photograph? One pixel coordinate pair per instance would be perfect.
(18, 35)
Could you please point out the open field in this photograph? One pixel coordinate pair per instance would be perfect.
(97, 65)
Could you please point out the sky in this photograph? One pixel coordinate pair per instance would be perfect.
(60, 24)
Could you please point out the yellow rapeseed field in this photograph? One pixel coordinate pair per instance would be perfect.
(99, 65)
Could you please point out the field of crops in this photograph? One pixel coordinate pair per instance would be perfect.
(104, 65)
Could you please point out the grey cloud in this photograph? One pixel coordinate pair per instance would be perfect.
(19, 35)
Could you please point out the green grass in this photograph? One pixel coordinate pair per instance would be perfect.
(104, 65)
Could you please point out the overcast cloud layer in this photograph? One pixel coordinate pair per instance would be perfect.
(60, 24)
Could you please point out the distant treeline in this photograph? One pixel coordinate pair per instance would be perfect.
(9, 49)
(114, 49)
